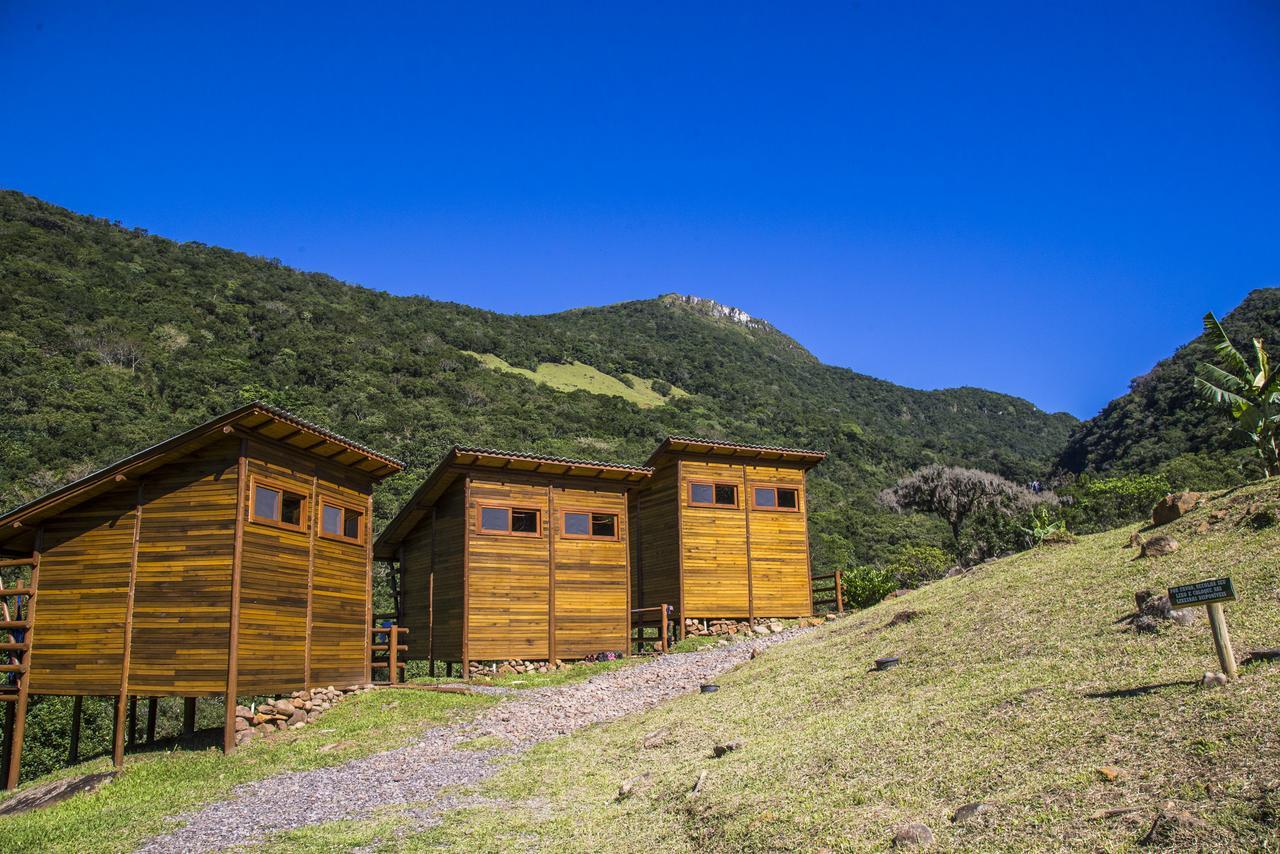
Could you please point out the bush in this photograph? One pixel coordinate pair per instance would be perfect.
(864, 586)
(1098, 504)
(915, 566)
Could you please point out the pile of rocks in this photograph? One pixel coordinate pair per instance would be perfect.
(298, 709)
(704, 628)
(515, 665)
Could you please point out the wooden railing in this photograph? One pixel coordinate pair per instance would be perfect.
(386, 639)
(654, 617)
(831, 594)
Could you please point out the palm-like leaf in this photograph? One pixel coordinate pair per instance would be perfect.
(1226, 350)
(1264, 365)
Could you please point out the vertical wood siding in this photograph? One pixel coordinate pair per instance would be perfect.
(655, 538)
(590, 577)
(779, 548)
(714, 540)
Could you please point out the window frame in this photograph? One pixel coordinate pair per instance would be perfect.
(713, 504)
(511, 510)
(282, 488)
(776, 508)
(325, 501)
(617, 524)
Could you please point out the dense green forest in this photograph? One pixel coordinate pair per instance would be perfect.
(1162, 427)
(113, 339)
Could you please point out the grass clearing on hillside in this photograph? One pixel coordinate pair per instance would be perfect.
(1017, 684)
(156, 786)
(578, 376)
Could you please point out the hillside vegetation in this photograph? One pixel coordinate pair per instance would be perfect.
(1019, 680)
(1161, 426)
(112, 339)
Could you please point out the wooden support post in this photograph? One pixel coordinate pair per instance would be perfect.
(393, 654)
(551, 575)
(233, 646)
(314, 523)
(663, 637)
(153, 706)
(77, 715)
(117, 731)
(1222, 639)
(839, 594)
(188, 718)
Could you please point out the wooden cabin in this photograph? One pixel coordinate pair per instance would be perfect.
(720, 531)
(231, 560)
(513, 556)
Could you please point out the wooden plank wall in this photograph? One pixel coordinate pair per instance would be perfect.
(508, 578)
(655, 541)
(447, 586)
(78, 641)
(181, 606)
(275, 565)
(415, 589)
(338, 592)
(779, 548)
(714, 542)
(590, 577)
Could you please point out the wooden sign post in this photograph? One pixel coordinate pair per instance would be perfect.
(1211, 594)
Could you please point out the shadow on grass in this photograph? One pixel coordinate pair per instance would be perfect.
(1121, 693)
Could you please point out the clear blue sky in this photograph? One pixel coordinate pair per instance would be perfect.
(1036, 198)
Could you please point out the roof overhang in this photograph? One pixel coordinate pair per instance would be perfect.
(485, 461)
(257, 420)
(682, 445)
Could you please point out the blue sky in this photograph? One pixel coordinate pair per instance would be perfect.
(1038, 199)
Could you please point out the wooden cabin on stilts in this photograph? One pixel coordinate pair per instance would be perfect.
(720, 531)
(231, 560)
(503, 556)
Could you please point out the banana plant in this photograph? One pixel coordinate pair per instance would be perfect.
(1251, 397)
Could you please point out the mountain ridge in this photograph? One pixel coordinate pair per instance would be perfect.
(115, 338)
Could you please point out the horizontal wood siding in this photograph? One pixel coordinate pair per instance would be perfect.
(779, 548)
(508, 578)
(714, 541)
(78, 641)
(655, 541)
(590, 577)
(273, 585)
(415, 587)
(338, 593)
(181, 606)
(450, 538)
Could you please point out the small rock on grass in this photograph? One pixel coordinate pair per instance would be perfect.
(1213, 680)
(697, 786)
(628, 786)
(727, 747)
(913, 835)
(1171, 824)
(1159, 546)
(1110, 773)
(971, 812)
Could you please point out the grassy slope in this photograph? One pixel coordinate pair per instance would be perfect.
(577, 376)
(1008, 694)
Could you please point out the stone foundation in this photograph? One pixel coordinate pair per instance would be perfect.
(515, 665)
(772, 626)
(298, 709)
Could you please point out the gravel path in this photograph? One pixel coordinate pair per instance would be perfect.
(417, 774)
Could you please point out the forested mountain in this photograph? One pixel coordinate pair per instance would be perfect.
(112, 339)
(1161, 424)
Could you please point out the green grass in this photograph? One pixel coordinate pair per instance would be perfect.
(157, 785)
(576, 376)
(1016, 685)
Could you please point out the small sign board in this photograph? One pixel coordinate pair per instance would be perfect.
(1202, 593)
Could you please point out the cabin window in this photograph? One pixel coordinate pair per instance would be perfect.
(278, 506)
(341, 523)
(590, 526)
(775, 498)
(713, 494)
(511, 520)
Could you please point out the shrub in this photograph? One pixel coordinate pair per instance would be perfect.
(1098, 504)
(864, 586)
(915, 566)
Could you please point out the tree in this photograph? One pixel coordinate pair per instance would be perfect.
(956, 493)
(1251, 397)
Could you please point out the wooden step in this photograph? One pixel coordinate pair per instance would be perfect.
(12, 646)
(13, 668)
(15, 624)
(17, 591)
(26, 561)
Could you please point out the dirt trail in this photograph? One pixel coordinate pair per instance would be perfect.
(421, 772)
